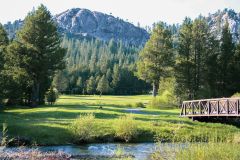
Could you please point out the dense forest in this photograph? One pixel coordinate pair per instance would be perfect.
(94, 67)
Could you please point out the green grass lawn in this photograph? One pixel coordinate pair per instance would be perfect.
(49, 125)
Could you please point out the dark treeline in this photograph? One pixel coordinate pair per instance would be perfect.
(97, 67)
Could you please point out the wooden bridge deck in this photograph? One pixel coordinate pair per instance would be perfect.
(220, 107)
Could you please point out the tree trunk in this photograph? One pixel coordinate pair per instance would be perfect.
(35, 95)
(155, 89)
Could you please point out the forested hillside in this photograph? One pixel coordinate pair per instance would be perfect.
(92, 65)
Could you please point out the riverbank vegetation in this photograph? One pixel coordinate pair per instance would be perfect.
(199, 151)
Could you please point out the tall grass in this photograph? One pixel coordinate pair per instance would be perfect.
(4, 139)
(84, 128)
(126, 128)
(200, 151)
(210, 151)
(219, 146)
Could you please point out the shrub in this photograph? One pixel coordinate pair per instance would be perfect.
(236, 95)
(165, 135)
(52, 95)
(126, 128)
(5, 140)
(160, 103)
(129, 105)
(139, 105)
(84, 127)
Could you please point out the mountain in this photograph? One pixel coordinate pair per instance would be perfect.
(84, 22)
(217, 20)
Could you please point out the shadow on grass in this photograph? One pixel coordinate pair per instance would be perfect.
(46, 116)
(41, 134)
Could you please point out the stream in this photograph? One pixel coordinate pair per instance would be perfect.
(139, 150)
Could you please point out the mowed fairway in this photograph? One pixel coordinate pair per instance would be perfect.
(49, 125)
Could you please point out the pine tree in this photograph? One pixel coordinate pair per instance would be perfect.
(91, 85)
(200, 51)
(39, 33)
(184, 66)
(156, 58)
(3, 44)
(194, 65)
(60, 81)
(226, 54)
(115, 78)
(212, 67)
(17, 72)
(234, 85)
(79, 83)
(51, 95)
(103, 85)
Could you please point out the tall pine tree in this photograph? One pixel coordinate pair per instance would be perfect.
(44, 55)
(3, 44)
(156, 58)
(185, 61)
(225, 64)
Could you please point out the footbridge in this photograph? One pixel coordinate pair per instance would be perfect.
(207, 108)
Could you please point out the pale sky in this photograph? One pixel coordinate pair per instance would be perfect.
(144, 11)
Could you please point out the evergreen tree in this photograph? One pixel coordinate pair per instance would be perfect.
(156, 58)
(115, 78)
(226, 54)
(91, 85)
(79, 83)
(3, 44)
(185, 64)
(112, 46)
(195, 63)
(17, 72)
(200, 39)
(103, 85)
(51, 95)
(60, 81)
(212, 68)
(39, 33)
(234, 85)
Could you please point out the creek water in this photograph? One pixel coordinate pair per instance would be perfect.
(139, 151)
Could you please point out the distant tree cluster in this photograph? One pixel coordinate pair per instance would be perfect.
(202, 65)
(97, 67)
(29, 62)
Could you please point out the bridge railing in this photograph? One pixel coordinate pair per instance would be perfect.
(211, 107)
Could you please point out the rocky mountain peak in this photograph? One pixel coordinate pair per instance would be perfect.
(99, 25)
(218, 19)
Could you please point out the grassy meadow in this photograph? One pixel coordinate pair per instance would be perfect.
(51, 125)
